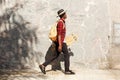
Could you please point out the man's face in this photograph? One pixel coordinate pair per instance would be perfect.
(65, 16)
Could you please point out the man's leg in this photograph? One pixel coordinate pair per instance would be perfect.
(42, 67)
(67, 59)
(56, 63)
(52, 57)
(48, 61)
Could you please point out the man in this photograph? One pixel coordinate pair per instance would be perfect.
(60, 44)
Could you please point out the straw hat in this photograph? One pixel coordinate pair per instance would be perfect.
(61, 11)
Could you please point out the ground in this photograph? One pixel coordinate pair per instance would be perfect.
(82, 73)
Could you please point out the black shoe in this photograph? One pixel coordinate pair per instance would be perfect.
(69, 72)
(42, 68)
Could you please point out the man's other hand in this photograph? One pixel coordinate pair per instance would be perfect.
(60, 48)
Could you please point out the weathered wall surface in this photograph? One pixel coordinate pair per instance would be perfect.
(115, 38)
(89, 19)
(114, 10)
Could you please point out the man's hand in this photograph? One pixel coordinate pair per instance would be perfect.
(60, 48)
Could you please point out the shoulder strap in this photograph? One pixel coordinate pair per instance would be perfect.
(62, 22)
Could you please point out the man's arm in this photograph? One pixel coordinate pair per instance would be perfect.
(60, 27)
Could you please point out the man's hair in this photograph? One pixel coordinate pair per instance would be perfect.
(62, 15)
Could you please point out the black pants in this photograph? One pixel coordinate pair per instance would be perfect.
(66, 56)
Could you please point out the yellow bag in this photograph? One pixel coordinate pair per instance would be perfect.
(53, 32)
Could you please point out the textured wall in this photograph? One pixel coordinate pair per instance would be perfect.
(115, 38)
(89, 19)
(114, 9)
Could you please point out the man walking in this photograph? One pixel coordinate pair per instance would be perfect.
(60, 44)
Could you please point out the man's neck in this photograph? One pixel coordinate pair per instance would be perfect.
(63, 19)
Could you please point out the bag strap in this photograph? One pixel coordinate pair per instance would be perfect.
(63, 23)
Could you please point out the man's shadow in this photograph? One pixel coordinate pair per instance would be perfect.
(51, 53)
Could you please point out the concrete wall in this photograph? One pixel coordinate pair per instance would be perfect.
(115, 35)
(114, 10)
(89, 19)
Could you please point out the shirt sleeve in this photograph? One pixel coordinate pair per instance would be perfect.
(59, 27)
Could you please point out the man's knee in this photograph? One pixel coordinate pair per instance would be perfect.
(64, 48)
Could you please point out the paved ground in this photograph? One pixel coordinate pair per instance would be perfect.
(82, 73)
